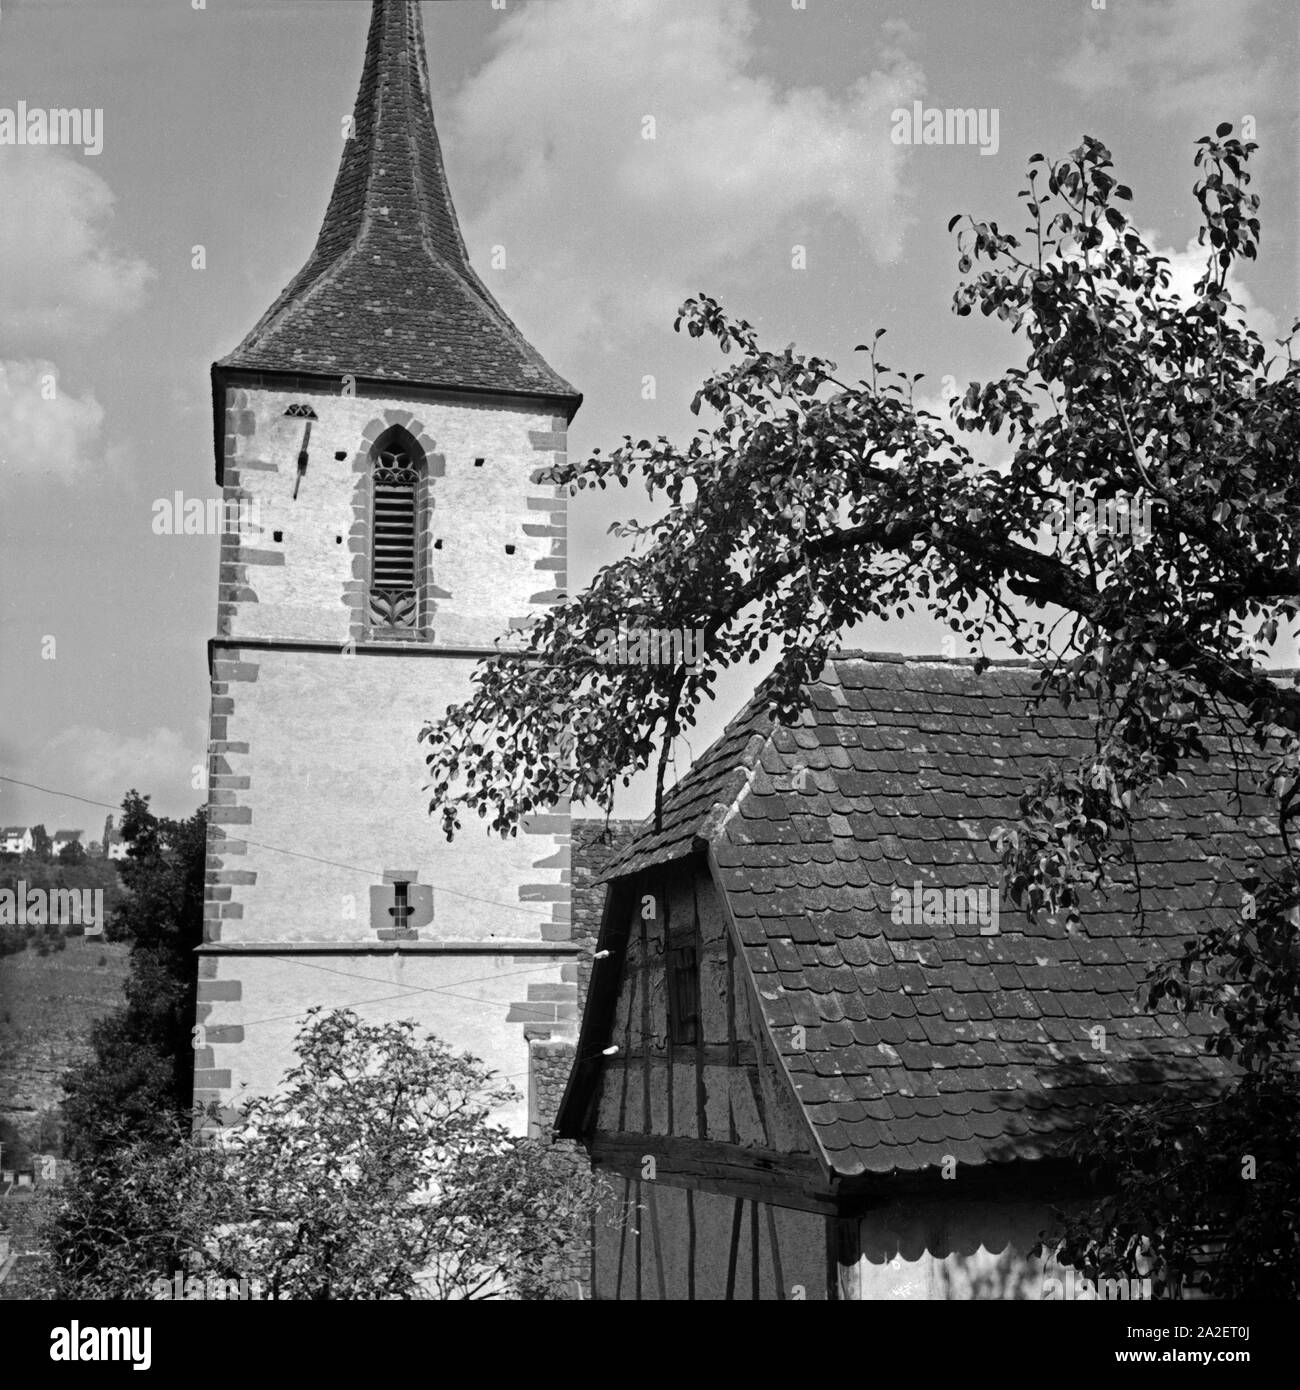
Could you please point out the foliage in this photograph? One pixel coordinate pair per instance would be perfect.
(135, 1208)
(142, 1064)
(810, 503)
(89, 873)
(1198, 1193)
(52, 877)
(375, 1172)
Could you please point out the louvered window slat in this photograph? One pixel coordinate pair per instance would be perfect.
(393, 542)
(393, 599)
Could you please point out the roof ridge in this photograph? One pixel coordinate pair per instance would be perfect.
(933, 658)
(990, 662)
(290, 303)
(722, 812)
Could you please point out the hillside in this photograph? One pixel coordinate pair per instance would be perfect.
(47, 1005)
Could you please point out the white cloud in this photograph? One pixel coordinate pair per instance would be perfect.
(1187, 267)
(45, 431)
(986, 450)
(1183, 57)
(59, 280)
(103, 765)
(736, 162)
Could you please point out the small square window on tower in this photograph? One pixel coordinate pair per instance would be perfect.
(401, 906)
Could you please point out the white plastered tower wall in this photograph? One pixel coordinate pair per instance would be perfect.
(317, 802)
(315, 770)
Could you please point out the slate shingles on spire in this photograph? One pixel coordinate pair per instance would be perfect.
(389, 292)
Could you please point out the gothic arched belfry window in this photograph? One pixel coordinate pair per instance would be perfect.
(394, 542)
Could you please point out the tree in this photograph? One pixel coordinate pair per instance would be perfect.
(141, 1070)
(133, 1210)
(72, 853)
(811, 503)
(41, 843)
(374, 1172)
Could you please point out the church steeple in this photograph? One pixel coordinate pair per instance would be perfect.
(405, 518)
(389, 293)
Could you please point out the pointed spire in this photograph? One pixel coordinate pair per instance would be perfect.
(389, 291)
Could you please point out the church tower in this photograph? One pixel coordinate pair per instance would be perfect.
(379, 434)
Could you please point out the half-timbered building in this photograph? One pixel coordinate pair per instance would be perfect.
(823, 1054)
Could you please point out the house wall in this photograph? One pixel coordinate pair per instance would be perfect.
(705, 1150)
(690, 1135)
(657, 1241)
(952, 1249)
(724, 1089)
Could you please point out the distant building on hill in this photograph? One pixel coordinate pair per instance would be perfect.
(16, 839)
(115, 847)
(63, 838)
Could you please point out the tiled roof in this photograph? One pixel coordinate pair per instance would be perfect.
(924, 1040)
(695, 806)
(389, 292)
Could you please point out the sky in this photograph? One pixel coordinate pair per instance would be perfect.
(221, 130)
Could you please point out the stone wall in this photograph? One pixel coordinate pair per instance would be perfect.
(594, 844)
